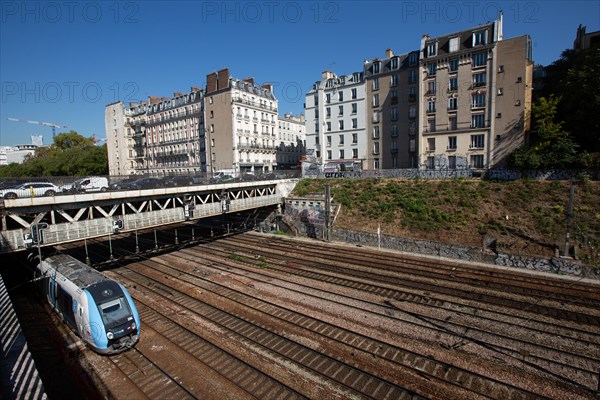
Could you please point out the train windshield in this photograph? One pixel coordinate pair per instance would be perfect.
(115, 311)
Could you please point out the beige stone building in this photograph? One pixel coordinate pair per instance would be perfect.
(291, 141)
(125, 138)
(475, 101)
(392, 88)
(241, 124)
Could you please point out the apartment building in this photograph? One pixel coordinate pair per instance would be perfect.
(475, 101)
(241, 124)
(392, 86)
(125, 137)
(291, 141)
(335, 120)
(174, 132)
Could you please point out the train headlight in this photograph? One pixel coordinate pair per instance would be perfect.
(133, 325)
(110, 335)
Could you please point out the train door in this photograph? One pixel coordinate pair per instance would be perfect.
(64, 303)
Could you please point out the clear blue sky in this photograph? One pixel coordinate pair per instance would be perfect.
(62, 62)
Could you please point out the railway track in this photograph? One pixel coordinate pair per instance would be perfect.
(257, 317)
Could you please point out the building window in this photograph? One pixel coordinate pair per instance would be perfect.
(477, 161)
(412, 145)
(412, 93)
(328, 98)
(453, 46)
(355, 138)
(479, 79)
(452, 162)
(376, 84)
(376, 67)
(376, 132)
(341, 95)
(394, 114)
(316, 99)
(430, 162)
(479, 59)
(452, 103)
(412, 76)
(376, 161)
(329, 154)
(412, 59)
(431, 49)
(328, 126)
(376, 148)
(453, 65)
(375, 116)
(341, 140)
(412, 111)
(453, 123)
(500, 68)
(477, 121)
(341, 154)
(500, 91)
(376, 100)
(477, 141)
(431, 144)
(328, 137)
(354, 153)
(353, 92)
(431, 68)
(354, 108)
(431, 106)
(394, 80)
(478, 100)
(341, 110)
(431, 124)
(451, 142)
(431, 87)
(394, 130)
(327, 112)
(354, 123)
(479, 38)
(341, 125)
(453, 84)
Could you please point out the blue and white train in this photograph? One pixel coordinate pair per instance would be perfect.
(99, 309)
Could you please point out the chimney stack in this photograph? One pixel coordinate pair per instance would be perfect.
(389, 53)
(211, 82)
(223, 78)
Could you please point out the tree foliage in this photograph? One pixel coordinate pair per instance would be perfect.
(69, 155)
(553, 147)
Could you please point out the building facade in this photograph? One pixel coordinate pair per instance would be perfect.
(392, 89)
(476, 98)
(174, 131)
(462, 100)
(241, 124)
(291, 141)
(335, 120)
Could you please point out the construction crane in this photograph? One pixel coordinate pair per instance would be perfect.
(53, 126)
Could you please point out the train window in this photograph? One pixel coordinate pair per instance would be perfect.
(114, 310)
(64, 303)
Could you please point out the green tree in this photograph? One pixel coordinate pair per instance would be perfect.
(552, 147)
(70, 155)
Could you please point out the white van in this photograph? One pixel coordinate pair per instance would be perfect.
(90, 184)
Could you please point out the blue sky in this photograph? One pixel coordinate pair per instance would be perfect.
(62, 62)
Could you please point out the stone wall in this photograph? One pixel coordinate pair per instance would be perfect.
(558, 266)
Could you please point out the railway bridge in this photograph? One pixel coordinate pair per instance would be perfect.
(48, 221)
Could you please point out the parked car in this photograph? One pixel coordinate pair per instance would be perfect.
(122, 184)
(87, 185)
(30, 189)
(181, 180)
(145, 183)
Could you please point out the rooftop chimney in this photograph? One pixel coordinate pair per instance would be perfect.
(389, 53)
(194, 89)
(268, 86)
(249, 80)
(154, 100)
(211, 82)
(223, 78)
(327, 75)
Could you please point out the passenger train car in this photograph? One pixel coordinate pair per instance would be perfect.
(99, 309)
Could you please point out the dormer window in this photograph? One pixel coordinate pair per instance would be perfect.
(479, 38)
(454, 44)
(395, 63)
(432, 49)
(376, 67)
